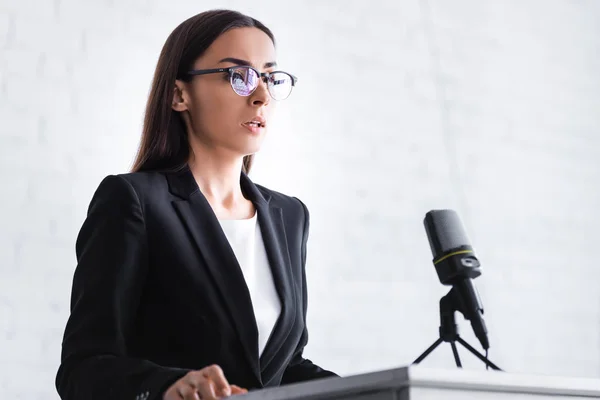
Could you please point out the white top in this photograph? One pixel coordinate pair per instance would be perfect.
(245, 238)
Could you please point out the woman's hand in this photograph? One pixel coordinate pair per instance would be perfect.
(206, 384)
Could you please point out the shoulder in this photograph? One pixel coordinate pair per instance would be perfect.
(130, 187)
(140, 182)
(289, 204)
(143, 181)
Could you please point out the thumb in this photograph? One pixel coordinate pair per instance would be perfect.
(238, 390)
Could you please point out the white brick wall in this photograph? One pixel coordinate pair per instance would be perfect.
(488, 107)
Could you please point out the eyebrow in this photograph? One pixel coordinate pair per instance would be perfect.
(246, 63)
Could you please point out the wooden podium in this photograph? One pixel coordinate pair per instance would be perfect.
(416, 382)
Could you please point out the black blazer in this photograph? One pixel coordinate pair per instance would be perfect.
(158, 292)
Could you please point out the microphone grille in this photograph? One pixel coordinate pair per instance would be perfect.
(444, 231)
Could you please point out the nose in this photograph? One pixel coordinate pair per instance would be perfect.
(261, 95)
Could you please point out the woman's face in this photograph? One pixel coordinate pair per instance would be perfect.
(217, 117)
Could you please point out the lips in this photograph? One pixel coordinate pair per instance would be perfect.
(256, 122)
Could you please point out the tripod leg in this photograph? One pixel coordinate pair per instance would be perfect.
(455, 352)
(429, 350)
(477, 354)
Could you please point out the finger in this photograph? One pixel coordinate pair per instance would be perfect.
(195, 379)
(187, 392)
(216, 375)
(235, 389)
(207, 390)
(173, 393)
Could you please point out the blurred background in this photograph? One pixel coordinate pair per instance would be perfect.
(491, 108)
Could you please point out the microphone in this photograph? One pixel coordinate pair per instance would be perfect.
(457, 266)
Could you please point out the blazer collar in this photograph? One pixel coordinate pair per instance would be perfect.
(183, 184)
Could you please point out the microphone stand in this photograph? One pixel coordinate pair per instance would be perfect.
(449, 304)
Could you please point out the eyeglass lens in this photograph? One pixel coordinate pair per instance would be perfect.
(245, 80)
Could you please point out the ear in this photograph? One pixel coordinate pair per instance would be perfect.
(179, 96)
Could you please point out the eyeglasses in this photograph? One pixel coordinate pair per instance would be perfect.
(244, 80)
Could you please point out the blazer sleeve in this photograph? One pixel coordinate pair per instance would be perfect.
(112, 263)
(301, 369)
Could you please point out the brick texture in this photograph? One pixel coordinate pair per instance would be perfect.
(486, 107)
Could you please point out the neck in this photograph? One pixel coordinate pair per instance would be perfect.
(218, 177)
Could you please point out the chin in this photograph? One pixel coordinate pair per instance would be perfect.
(248, 143)
(248, 151)
(253, 146)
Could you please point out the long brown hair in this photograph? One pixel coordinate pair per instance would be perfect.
(164, 143)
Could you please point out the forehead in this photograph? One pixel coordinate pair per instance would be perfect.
(249, 44)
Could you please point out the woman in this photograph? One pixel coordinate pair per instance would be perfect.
(190, 281)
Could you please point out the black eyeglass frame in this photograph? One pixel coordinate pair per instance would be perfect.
(261, 75)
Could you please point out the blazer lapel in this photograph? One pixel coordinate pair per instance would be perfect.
(272, 228)
(203, 225)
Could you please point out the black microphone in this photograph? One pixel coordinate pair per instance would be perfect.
(457, 265)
